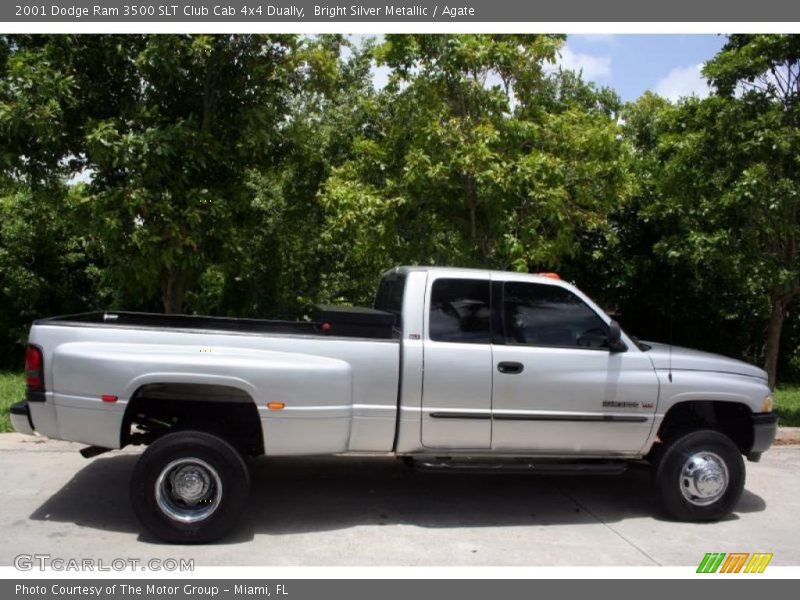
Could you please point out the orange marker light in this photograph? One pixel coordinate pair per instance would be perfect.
(275, 405)
(549, 275)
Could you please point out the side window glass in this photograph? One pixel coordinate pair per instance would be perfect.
(389, 296)
(548, 315)
(460, 311)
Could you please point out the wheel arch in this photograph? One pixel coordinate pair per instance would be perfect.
(729, 417)
(216, 405)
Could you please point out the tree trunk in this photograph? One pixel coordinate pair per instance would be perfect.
(777, 316)
(473, 222)
(173, 289)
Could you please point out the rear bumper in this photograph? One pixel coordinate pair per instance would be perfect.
(765, 427)
(21, 418)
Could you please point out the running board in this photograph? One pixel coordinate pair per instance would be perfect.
(522, 465)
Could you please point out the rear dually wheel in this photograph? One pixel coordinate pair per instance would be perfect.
(189, 487)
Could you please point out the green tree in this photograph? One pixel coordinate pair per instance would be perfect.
(763, 131)
(170, 169)
(474, 155)
(287, 268)
(48, 263)
(37, 98)
(656, 277)
(168, 127)
(717, 195)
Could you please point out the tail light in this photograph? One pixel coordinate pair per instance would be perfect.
(34, 368)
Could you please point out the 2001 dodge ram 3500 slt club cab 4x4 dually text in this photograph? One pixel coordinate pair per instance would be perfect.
(452, 368)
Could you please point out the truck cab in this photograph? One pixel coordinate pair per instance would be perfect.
(451, 367)
(518, 363)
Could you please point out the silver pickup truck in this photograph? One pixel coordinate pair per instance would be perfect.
(451, 369)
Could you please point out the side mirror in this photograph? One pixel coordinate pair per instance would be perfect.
(615, 343)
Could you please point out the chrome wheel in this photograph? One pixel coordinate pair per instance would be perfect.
(703, 478)
(188, 490)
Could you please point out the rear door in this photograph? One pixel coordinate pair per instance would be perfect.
(457, 373)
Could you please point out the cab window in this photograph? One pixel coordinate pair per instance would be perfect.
(389, 296)
(548, 315)
(460, 311)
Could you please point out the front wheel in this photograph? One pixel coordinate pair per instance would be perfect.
(699, 476)
(189, 487)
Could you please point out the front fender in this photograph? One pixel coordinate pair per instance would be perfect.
(680, 386)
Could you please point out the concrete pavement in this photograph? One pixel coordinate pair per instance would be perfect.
(376, 511)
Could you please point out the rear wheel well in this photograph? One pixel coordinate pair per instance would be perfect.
(732, 419)
(158, 408)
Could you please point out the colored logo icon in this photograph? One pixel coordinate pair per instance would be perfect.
(734, 562)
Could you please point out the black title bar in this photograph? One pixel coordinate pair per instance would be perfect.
(520, 11)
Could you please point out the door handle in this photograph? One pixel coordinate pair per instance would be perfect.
(510, 368)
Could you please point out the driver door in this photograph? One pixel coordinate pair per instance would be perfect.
(557, 388)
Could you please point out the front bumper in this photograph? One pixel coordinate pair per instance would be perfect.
(21, 418)
(765, 427)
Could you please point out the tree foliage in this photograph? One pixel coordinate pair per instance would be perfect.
(463, 164)
(255, 175)
(723, 172)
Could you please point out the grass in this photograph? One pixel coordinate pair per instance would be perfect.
(12, 389)
(787, 405)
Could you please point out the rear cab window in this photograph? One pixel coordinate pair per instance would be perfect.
(389, 297)
(460, 311)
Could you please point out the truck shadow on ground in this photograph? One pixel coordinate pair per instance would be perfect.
(302, 495)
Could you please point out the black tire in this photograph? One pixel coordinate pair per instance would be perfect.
(672, 488)
(216, 461)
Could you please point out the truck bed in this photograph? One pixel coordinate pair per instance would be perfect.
(335, 393)
(338, 322)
